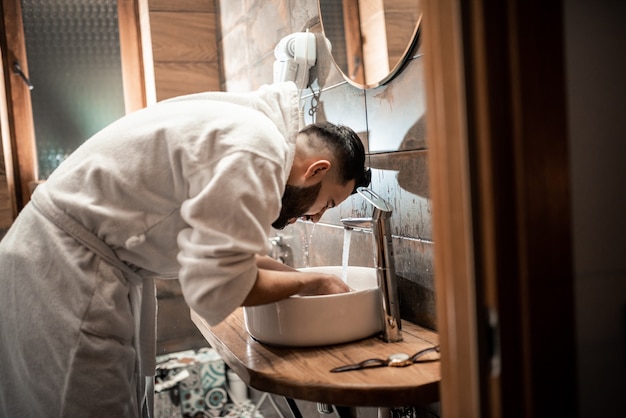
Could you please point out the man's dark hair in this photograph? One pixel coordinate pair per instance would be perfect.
(347, 148)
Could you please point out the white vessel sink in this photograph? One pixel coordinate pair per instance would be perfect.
(304, 321)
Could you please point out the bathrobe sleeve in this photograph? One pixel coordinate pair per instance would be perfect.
(233, 199)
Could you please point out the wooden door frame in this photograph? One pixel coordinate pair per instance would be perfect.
(18, 131)
(455, 281)
(499, 169)
(136, 54)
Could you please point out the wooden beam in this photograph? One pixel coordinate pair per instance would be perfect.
(19, 133)
(136, 54)
(449, 159)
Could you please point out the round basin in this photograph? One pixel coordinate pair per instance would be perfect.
(304, 321)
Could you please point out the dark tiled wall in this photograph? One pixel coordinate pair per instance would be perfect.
(389, 120)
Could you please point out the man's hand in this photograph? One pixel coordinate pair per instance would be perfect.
(322, 284)
(273, 285)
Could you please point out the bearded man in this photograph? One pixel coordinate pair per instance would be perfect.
(188, 188)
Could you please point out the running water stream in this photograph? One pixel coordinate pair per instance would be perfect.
(306, 245)
(347, 236)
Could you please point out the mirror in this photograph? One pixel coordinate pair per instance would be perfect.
(370, 39)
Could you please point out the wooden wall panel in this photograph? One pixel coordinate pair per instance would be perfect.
(184, 47)
(137, 81)
(175, 79)
(18, 128)
(183, 5)
(183, 36)
(6, 209)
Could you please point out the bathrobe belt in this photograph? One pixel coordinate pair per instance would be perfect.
(141, 295)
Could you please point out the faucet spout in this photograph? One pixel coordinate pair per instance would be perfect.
(281, 251)
(357, 223)
(385, 268)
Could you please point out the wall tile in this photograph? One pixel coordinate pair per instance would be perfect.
(414, 269)
(269, 21)
(235, 61)
(322, 245)
(342, 104)
(403, 183)
(231, 14)
(262, 73)
(303, 14)
(396, 111)
(410, 167)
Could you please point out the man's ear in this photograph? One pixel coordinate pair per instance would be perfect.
(316, 171)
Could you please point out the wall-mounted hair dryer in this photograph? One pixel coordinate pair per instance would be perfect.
(295, 55)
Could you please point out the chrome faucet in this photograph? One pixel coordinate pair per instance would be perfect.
(383, 253)
(281, 251)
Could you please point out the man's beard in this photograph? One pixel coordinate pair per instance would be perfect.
(296, 201)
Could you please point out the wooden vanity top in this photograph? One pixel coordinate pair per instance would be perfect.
(304, 373)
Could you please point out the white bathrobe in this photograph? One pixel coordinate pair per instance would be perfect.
(186, 188)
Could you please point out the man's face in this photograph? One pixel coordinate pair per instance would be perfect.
(296, 202)
(311, 202)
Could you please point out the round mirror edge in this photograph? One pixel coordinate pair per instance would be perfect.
(392, 73)
(406, 55)
(328, 48)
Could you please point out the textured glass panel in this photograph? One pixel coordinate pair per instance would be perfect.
(74, 64)
(333, 28)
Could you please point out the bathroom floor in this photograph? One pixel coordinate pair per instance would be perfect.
(197, 383)
(263, 405)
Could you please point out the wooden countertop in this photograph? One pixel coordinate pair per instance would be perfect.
(304, 373)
